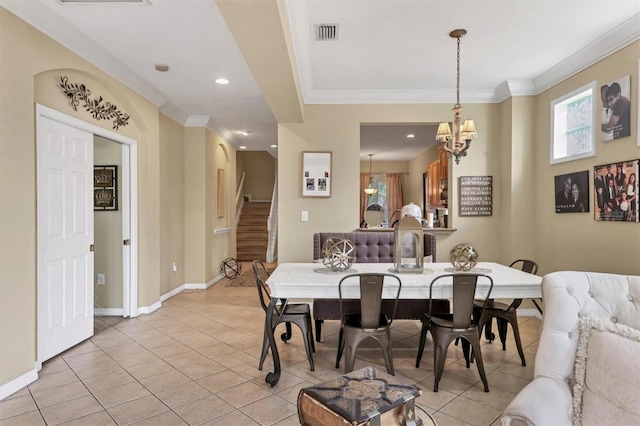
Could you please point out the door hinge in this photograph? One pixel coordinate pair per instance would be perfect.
(126, 242)
(91, 247)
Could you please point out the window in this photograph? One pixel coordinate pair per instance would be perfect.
(380, 197)
(573, 121)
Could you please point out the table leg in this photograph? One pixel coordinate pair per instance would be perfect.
(272, 378)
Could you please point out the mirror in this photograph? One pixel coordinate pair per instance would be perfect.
(374, 215)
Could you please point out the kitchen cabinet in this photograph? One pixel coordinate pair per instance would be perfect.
(444, 164)
(433, 187)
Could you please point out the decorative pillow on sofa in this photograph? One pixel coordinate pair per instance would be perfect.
(607, 374)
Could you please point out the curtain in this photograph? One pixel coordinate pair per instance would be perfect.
(394, 195)
(364, 198)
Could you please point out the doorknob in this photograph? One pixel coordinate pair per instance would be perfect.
(126, 242)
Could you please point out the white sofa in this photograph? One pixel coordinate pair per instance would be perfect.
(569, 296)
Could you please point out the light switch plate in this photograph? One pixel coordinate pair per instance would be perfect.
(304, 216)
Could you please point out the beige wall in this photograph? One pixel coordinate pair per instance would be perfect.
(261, 175)
(107, 226)
(172, 178)
(219, 155)
(576, 241)
(30, 65)
(336, 128)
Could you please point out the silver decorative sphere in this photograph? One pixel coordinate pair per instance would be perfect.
(338, 254)
(463, 257)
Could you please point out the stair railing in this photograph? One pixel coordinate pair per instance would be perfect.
(240, 198)
(272, 225)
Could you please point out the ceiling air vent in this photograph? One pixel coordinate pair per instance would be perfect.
(327, 32)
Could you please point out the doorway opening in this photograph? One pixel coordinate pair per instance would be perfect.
(65, 153)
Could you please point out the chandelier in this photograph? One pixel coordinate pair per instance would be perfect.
(461, 138)
(371, 189)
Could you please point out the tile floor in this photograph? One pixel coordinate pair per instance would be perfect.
(194, 361)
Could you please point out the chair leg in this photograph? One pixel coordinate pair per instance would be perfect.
(475, 343)
(318, 329)
(386, 352)
(502, 331)
(265, 349)
(439, 357)
(516, 336)
(340, 347)
(465, 352)
(423, 339)
(351, 348)
(286, 336)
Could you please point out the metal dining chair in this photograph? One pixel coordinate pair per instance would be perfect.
(296, 313)
(445, 328)
(503, 312)
(370, 322)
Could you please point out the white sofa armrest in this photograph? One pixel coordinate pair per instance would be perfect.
(542, 402)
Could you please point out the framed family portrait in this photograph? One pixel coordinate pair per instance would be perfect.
(105, 188)
(615, 195)
(572, 192)
(316, 174)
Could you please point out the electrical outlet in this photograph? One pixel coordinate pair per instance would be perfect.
(100, 279)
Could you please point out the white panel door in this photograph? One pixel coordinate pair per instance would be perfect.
(65, 234)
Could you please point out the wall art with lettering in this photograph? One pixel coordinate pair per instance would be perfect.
(476, 195)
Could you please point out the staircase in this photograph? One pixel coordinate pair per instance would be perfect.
(252, 232)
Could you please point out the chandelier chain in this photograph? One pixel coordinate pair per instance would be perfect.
(458, 74)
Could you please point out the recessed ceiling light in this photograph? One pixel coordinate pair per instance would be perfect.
(274, 146)
(222, 81)
(243, 147)
(411, 135)
(162, 67)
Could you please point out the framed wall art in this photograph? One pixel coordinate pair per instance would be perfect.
(105, 188)
(572, 191)
(615, 195)
(615, 115)
(316, 174)
(220, 193)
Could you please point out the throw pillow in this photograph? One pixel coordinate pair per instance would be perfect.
(607, 374)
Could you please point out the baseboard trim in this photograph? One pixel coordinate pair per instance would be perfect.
(172, 293)
(15, 385)
(149, 309)
(108, 312)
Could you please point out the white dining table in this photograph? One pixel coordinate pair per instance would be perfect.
(314, 280)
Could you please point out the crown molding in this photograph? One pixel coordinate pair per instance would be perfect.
(197, 121)
(609, 43)
(58, 29)
(397, 96)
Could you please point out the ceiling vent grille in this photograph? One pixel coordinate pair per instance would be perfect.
(327, 32)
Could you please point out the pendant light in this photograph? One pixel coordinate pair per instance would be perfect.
(371, 189)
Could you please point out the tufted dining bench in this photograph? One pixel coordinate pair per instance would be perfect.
(372, 247)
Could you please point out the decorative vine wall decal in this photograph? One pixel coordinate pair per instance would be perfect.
(99, 110)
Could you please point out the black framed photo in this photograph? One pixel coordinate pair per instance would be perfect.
(615, 195)
(572, 191)
(105, 188)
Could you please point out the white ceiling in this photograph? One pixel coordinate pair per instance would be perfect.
(388, 51)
